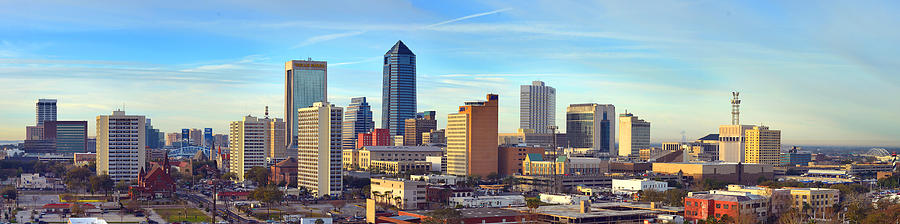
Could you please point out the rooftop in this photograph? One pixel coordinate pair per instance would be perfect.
(477, 212)
(599, 210)
(404, 148)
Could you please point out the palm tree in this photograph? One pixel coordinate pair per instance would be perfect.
(399, 202)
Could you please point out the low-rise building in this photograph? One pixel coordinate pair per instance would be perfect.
(369, 154)
(535, 164)
(438, 179)
(488, 201)
(563, 199)
(83, 159)
(561, 183)
(600, 213)
(474, 215)
(442, 194)
(154, 184)
(510, 158)
(737, 205)
(33, 181)
(284, 172)
(741, 173)
(438, 163)
(631, 186)
(404, 194)
(394, 167)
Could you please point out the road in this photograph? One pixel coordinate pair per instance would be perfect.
(222, 212)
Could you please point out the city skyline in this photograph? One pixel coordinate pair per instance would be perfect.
(678, 75)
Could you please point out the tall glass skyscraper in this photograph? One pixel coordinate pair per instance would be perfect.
(398, 101)
(305, 83)
(592, 126)
(357, 119)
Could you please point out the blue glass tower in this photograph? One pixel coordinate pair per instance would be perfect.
(305, 83)
(398, 101)
(357, 119)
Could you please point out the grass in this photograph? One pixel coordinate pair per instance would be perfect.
(176, 215)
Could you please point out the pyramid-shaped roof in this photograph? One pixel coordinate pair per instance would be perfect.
(399, 48)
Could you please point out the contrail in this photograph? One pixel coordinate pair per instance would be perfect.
(468, 17)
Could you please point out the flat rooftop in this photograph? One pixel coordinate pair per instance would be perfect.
(477, 212)
(611, 209)
(403, 148)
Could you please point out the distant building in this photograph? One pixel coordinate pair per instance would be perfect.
(631, 186)
(69, 136)
(319, 149)
(438, 179)
(597, 213)
(716, 204)
(415, 127)
(411, 194)
(370, 154)
(378, 137)
(472, 138)
(434, 137)
(254, 139)
(634, 135)
(795, 157)
(305, 83)
(526, 137)
(537, 107)
(706, 148)
(44, 110)
(34, 132)
(357, 120)
(209, 141)
(563, 199)
(534, 164)
(746, 173)
(121, 146)
(172, 139)
(763, 146)
(398, 101)
(397, 140)
(592, 126)
(83, 159)
(732, 142)
(33, 181)
(284, 172)
(488, 201)
(510, 159)
(475, 215)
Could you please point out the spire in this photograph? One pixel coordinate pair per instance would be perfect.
(267, 112)
(166, 166)
(400, 48)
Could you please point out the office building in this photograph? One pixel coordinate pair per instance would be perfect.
(472, 138)
(434, 137)
(378, 137)
(634, 134)
(526, 137)
(121, 146)
(153, 140)
(738, 173)
(404, 194)
(398, 96)
(592, 126)
(45, 110)
(172, 138)
(319, 148)
(706, 148)
(69, 137)
(222, 140)
(535, 164)
(368, 155)
(732, 142)
(208, 140)
(630, 186)
(34, 132)
(277, 150)
(423, 122)
(763, 145)
(509, 161)
(357, 120)
(305, 83)
(249, 141)
(537, 107)
(795, 157)
(196, 137)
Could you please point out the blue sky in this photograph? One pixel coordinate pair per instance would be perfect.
(823, 73)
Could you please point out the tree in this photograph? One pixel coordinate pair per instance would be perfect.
(493, 176)
(259, 175)
(77, 178)
(338, 204)
(101, 183)
(444, 216)
(230, 176)
(123, 185)
(76, 209)
(320, 221)
(268, 195)
(132, 206)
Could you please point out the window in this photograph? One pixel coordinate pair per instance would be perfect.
(726, 206)
(718, 205)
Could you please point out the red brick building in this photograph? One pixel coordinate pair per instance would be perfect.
(284, 172)
(154, 184)
(378, 137)
(510, 159)
(703, 206)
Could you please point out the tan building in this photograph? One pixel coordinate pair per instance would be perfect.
(121, 146)
(350, 159)
(404, 194)
(427, 122)
(820, 199)
(472, 138)
(747, 173)
(535, 164)
(634, 135)
(249, 141)
(732, 143)
(370, 154)
(395, 167)
(646, 154)
(762, 146)
(172, 138)
(277, 147)
(526, 137)
(319, 148)
(434, 137)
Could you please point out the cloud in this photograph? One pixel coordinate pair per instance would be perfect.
(468, 17)
(327, 37)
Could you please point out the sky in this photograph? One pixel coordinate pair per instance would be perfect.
(823, 72)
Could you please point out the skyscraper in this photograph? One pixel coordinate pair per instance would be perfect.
(424, 122)
(153, 140)
(763, 146)
(592, 126)
(537, 107)
(305, 83)
(398, 95)
(45, 110)
(208, 140)
(277, 147)
(248, 145)
(70, 137)
(472, 138)
(319, 149)
(732, 142)
(357, 119)
(634, 135)
(121, 146)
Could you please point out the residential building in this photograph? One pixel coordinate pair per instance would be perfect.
(732, 143)
(819, 199)
(378, 137)
(415, 127)
(526, 137)
(537, 107)
(69, 136)
(534, 164)
(592, 126)
(305, 83)
(404, 194)
(398, 94)
(511, 157)
(634, 135)
(357, 120)
(370, 154)
(740, 173)
(472, 138)
(763, 146)
(737, 205)
(319, 149)
(250, 141)
(121, 145)
(630, 186)
(44, 110)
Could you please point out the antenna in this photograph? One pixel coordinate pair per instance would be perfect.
(267, 112)
(735, 108)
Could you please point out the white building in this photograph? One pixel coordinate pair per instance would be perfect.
(33, 181)
(86, 221)
(537, 107)
(313, 220)
(438, 163)
(410, 192)
(250, 140)
(438, 179)
(634, 185)
(319, 148)
(488, 201)
(121, 145)
(634, 135)
(563, 199)
(732, 142)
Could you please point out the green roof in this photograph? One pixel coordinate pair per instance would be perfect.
(561, 159)
(535, 157)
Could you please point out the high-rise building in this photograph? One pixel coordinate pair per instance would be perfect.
(472, 138)
(763, 145)
(196, 136)
(634, 135)
(208, 140)
(537, 107)
(424, 122)
(34, 132)
(278, 149)
(378, 137)
(305, 83)
(592, 126)
(172, 138)
(251, 140)
(70, 137)
(357, 119)
(319, 149)
(153, 140)
(222, 140)
(398, 101)
(121, 145)
(434, 137)
(732, 142)
(45, 110)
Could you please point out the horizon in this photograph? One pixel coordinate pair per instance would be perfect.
(822, 75)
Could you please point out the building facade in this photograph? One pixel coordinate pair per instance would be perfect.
(537, 107)
(306, 82)
(740, 173)
(398, 94)
(732, 142)
(69, 136)
(319, 149)
(357, 120)
(370, 154)
(121, 146)
(415, 127)
(44, 110)
(472, 138)
(591, 126)
(378, 137)
(511, 158)
(634, 134)
(404, 194)
(526, 137)
(249, 142)
(763, 145)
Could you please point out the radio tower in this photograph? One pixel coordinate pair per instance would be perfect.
(735, 109)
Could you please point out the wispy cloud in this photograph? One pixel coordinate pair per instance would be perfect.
(468, 17)
(327, 37)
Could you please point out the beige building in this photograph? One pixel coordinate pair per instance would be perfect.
(526, 137)
(820, 199)
(762, 145)
(121, 146)
(395, 167)
(319, 149)
(472, 138)
(746, 173)
(371, 154)
(634, 135)
(404, 194)
(249, 141)
(350, 159)
(535, 164)
(277, 147)
(732, 142)
(172, 138)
